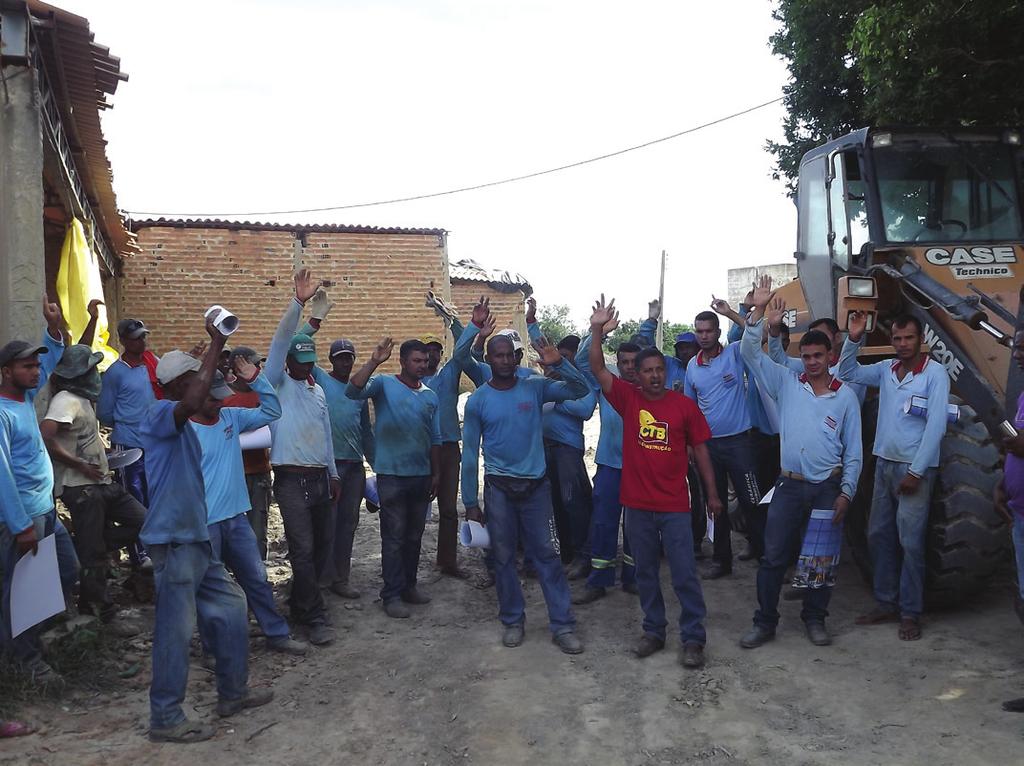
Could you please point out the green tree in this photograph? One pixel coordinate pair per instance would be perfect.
(854, 63)
(555, 322)
(630, 327)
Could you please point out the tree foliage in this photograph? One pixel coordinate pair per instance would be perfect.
(630, 327)
(555, 322)
(855, 63)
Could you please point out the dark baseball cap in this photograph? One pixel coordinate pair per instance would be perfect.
(342, 346)
(570, 342)
(19, 349)
(686, 337)
(248, 354)
(131, 328)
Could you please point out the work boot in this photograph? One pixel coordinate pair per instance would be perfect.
(578, 570)
(693, 655)
(589, 596)
(287, 645)
(320, 634)
(513, 636)
(757, 636)
(568, 643)
(456, 572)
(42, 675)
(251, 698)
(817, 634)
(395, 608)
(648, 645)
(749, 554)
(716, 570)
(631, 587)
(415, 596)
(344, 590)
(185, 732)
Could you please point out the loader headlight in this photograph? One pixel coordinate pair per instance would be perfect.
(881, 139)
(861, 287)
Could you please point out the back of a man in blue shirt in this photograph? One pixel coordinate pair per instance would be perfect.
(27, 511)
(505, 415)
(907, 451)
(715, 380)
(191, 583)
(407, 431)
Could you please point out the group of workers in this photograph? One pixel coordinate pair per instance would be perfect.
(676, 432)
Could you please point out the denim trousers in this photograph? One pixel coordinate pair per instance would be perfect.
(896, 537)
(531, 516)
(604, 532)
(448, 507)
(403, 514)
(652, 533)
(1018, 547)
(346, 521)
(258, 487)
(191, 585)
(106, 517)
(234, 545)
(572, 498)
(732, 458)
(26, 648)
(308, 515)
(788, 515)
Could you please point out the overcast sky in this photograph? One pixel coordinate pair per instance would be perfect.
(255, 106)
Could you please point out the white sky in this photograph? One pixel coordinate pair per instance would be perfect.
(256, 105)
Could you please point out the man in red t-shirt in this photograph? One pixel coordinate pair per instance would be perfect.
(659, 428)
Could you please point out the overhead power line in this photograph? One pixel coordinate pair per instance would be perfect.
(461, 189)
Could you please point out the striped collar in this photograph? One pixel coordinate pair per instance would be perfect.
(916, 370)
(700, 356)
(835, 385)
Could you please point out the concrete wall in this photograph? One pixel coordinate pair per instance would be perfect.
(740, 280)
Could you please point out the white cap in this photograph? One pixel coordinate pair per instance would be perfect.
(174, 364)
(513, 335)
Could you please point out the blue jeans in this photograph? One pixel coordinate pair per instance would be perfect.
(788, 514)
(26, 648)
(604, 532)
(531, 516)
(650, 534)
(572, 499)
(234, 544)
(1018, 547)
(191, 584)
(304, 500)
(896, 538)
(732, 458)
(403, 515)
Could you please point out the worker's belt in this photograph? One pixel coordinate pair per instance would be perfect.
(304, 470)
(800, 477)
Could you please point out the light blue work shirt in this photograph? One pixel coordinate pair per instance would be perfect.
(563, 421)
(759, 417)
(350, 421)
(717, 386)
(779, 355)
(125, 399)
(900, 436)
(407, 424)
(818, 433)
(609, 442)
(445, 383)
(509, 424)
(227, 494)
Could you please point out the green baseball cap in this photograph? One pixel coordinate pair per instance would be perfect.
(302, 349)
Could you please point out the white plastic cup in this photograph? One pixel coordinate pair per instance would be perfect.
(225, 322)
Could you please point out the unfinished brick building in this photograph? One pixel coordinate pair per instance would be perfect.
(378, 278)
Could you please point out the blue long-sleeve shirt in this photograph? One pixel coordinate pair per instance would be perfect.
(718, 388)
(445, 382)
(609, 442)
(779, 356)
(407, 425)
(26, 473)
(223, 471)
(818, 433)
(563, 421)
(675, 370)
(900, 436)
(125, 399)
(509, 424)
(351, 430)
(302, 435)
(759, 417)
(479, 371)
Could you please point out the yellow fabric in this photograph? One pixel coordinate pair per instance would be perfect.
(78, 282)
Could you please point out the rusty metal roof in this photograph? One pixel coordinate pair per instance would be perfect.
(217, 223)
(84, 74)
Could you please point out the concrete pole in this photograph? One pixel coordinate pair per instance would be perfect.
(22, 252)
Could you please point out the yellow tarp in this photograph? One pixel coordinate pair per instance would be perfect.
(78, 282)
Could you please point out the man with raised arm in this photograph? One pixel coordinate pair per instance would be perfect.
(191, 583)
(659, 428)
(407, 431)
(826, 325)
(907, 447)
(821, 463)
(505, 416)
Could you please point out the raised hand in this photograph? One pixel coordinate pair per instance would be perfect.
(775, 311)
(94, 308)
(245, 369)
(200, 348)
(531, 310)
(856, 324)
(610, 326)
(305, 285)
(720, 306)
(53, 315)
(654, 309)
(382, 351)
(488, 327)
(212, 331)
(481, 311)
(321, 304)
(602, 315)
(762, 292)
(549, 354)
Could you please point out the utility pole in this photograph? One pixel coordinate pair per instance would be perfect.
(659, 334)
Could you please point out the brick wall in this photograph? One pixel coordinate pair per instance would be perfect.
(378, 281)
(509, 308)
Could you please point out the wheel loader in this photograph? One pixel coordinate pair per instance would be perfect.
(927, 222)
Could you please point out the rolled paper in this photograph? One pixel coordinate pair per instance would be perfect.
(473, 534)
(258, 439)
(918, 406)
(223, 319)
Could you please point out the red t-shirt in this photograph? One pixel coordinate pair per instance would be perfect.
(655, 435)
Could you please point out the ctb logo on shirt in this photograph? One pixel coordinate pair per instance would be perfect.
(653, 432)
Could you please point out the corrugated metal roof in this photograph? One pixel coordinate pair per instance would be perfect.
(84, 74)
(217, 223)
(468, 270)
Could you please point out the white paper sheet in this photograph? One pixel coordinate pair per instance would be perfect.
(474, 535)
(258, 439)
(767, 497)
(35, 589)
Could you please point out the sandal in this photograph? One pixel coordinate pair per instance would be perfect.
(15, 729)
(185, 732)
(877, 616)
(910, 629)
